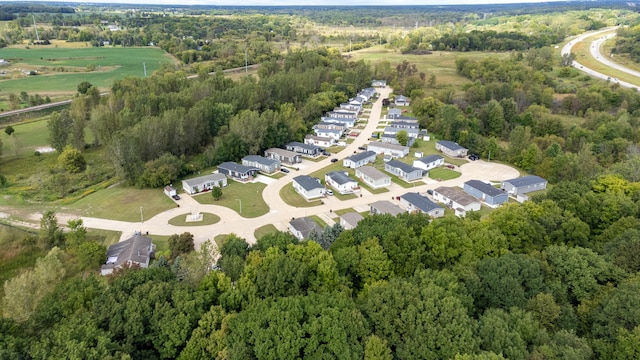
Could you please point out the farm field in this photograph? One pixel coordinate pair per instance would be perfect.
(62, 69)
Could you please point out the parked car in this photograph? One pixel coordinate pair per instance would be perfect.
(334, 160)
(430, 192)
(326, 153)
(474, 157)
(328, 192)
(284, 170)
(451, 166)
(362, 148)
(176, 197)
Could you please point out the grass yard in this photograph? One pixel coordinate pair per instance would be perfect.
(443, 174)
(292, 198)
(207, 219)
(260, 232)
(104, 237)
(62, 69)
(237, 195)
(319, 221)
(405, 184)
(344, 211)
(220, 239)
(162, 244)
(26, 138)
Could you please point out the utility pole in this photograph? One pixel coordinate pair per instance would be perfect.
(144, 65)
(35, 27)
(240, 205)
(141, 217)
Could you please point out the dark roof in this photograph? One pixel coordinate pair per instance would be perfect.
(260, 160)
(525, 181)
(340, 177)
(201, 179)
(420, 202)
(235, 167)
(456, 195)
(304, 146)
(402, 166)
(430, 158)
(387, 207)
(361, 156)
(484, 187)
(401, 98)
(450, 145)
(136, 249)
(305, 225)
(307, 182)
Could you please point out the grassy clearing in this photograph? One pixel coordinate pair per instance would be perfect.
(344, 211)
(260, 232)
(104, 237)
(220, 239)
(62, 69)
(237, 195)
(207, 219)
(162, 244)
(443, 174)
(292, 198)
(622, 59)
(26, 138)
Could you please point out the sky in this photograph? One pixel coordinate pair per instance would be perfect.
(301, 2)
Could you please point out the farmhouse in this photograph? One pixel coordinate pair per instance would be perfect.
(341, 181)
(136, 251)
(404, 171)
(308, 187)
(284, 156)
(360, 159)
(456, 199)
(267, 166)
(384, 207)
(451, 148)
(303, 227)
(237, 171)
(350, 220)
(204, 183)
(373, 177)
(415, 202)
(524, 185)
(428, 162)
(388, 149)
(485, 192)
(304, 149)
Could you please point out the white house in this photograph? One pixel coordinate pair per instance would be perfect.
(378, 83)
(323, 142)
(388, 149)
(451, 148)
(404, 171)
(284, 156)
(330, 133)
(360, 159)
(341, 181)
(428, 162)
(373, 177)
(524, 185)
(401, 100)
(415, 202)
(308, 187)
(349, 122)
(394, 113)
(302, 227)
(136, 251)
(170, 191)
(204, 183)
(456, 199)
(350, 220)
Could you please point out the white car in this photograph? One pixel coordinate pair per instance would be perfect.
(328, 192)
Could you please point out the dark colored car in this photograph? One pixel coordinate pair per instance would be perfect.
(362, 148)
(326, 153)
(176, 197)
(474, 157)
(284, 170)
(334, 160)
(430, 192)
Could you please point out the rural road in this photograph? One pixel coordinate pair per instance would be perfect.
(281, 213)
(595, 52)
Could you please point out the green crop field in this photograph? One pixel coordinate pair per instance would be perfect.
(62, 69)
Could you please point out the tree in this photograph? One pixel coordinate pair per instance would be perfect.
(377, 349)
(181, 244)
(71, 159)
(161, 171)
(59, 126)
(9, 130)
(77, 234)
(568, 58)
(216, 192)
(403, 137)
(83, 87)
(50, 233)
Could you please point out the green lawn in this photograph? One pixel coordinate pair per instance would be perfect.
(292, 198)
(162, 244)
(442, 173)
(207, 219)
(26, 138)
(104, 237)
(319, 221)
(264, 230)
(344, 211)
(111, 64)
(236, 195)
(405, 184)
(220, 239)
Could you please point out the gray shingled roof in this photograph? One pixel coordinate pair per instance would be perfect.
(372, 172)
(525, 181)
(305, 225)
(420, 202)
(402, 166)
(450, 145)
(484, 187)
(456, 195)
(201, 179)
(340, 177)
(387, 146)
(387, 207)
(430, 158)
(260, 160)
(352, 218)
(303, 145)
(235, 167)
(361, 156)
(307, 182)
(136, 249)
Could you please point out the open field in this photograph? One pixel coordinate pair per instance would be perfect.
(237, 195)
(265, 230)
(62, 69)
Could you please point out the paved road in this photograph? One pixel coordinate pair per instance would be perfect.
(280, 213)
(595, 52)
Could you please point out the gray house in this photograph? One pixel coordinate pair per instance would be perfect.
(304, 149)
(394, 113)
(415, 202)
(265, 165)
(483, 191)
(303, 227)
(404, 171)
(237, 171)
(204, 183)
(451, 148)
(391, 139)
(385, 207)
(373, 177)
(428, 162)
(350, 220)
(456, 199)
(284, 156)
(342, 182)
(360, 159)
(136, 251)
(401, 100)
(308, 187)
(524, 185)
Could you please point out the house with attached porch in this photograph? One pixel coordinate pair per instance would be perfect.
(392, 150)
(204, 183)
(323, 142)
(360, 159)
(428, 162)
(342, 182)
(266, 165)
(402, 170)
(414, 202)
(456, 199)
(309, 187)
(304, 149)
(492, 196)
(284, 156)
(237, 171)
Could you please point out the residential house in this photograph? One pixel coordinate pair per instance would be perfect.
(379, 83)
(284, 156)
(398, 151)
(342, 114)
(406, 119)
(266, 165)
(342, 182)
(360, 159)
(133, 252)
(368, 93)
(170, 191)
(308, 187)
(428, 162)
(204, 183)
(411, 132)
(350, 220)
(352, 105)
(335, 135)
(304, 149)
(391, 139)
(237, 171)
(331, 126)
(456, 199)
(404, 171)
(524, 185)
(401, 100)
(451, 148)
(373, 177)
(485, 192)
(382, 207)
(394, 113)
(302, 227)
(415, 202)
(323, 142)
(349, 122)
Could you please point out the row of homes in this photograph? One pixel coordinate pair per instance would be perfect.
(293, 152)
